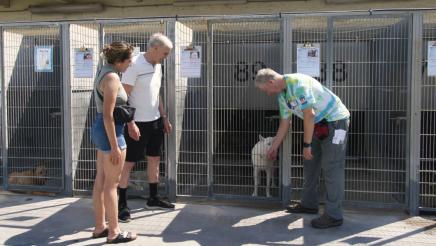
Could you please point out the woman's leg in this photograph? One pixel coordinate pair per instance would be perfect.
(97, 195)
(112, 173)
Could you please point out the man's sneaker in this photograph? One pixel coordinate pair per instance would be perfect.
(297, 208)
(326, 221)
(124, 214)
(158, 203)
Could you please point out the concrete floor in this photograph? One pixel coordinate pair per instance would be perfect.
(38, 220)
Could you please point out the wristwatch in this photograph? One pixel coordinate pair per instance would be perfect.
(307, 145)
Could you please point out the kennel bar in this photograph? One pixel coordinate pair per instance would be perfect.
(170, 79)
(414, 112)
(329, 54)
(285, 153)
(210, 115)
(67, 120)
(3, 166)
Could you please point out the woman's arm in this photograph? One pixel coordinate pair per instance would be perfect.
(110, 85)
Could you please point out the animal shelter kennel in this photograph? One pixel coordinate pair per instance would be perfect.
(376, 62)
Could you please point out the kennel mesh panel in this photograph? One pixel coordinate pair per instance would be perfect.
(1, 114)
(84, 38)
(370, 56)
(370, 76)
(428, 122)
(191, 112)
(240, 111)
(305, 30)
(34, 110)
(138, 35)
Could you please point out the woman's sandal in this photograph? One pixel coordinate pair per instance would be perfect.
(101, 234)
(122, 237)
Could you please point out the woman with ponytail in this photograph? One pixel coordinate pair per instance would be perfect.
(107, 135)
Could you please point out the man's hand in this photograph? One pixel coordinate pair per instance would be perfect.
(133, 131)
(272, 154)
(167, 125)
(307, 153)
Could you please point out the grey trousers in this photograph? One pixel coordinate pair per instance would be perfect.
(331, 158)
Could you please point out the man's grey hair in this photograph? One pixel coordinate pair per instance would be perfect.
(159, 40)
(264, 75)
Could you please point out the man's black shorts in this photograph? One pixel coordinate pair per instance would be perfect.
(150, 142)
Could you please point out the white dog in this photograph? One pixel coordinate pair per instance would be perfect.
(261, 162)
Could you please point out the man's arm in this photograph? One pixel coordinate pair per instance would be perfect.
(162, 112)
(167, 125)
(309, 125)
(284, 126)
(132, 128)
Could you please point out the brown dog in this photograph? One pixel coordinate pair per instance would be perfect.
(35, 176)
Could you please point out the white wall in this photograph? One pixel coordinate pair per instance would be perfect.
(147, 8)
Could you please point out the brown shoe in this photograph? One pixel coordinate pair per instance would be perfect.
(297, 208)
(326, 221)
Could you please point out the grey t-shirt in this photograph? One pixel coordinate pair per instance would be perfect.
(121, 96)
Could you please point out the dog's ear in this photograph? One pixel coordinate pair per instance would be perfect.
(261, 138)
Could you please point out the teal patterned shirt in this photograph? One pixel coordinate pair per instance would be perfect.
(302, 92)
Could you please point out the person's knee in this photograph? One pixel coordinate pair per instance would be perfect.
(112, 181)
(98, 186)
(110, 186)
(99, 182)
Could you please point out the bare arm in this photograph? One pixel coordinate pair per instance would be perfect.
(132, 128)
(309, 124)
(110, 86)
(161, 108)
(284, 126)
(167, 125)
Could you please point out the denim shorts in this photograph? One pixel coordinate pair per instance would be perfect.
(99, 136)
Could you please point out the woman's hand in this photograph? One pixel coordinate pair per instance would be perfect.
(115, 156)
